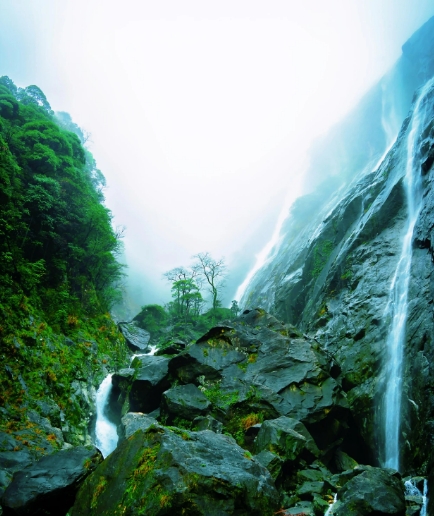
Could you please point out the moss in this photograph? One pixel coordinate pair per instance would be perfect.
(321, 254)
(100, 488)
(42, 364)
(218, 398)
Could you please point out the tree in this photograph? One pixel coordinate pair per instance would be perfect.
(235, 309)
(213, 273)
(185, 292)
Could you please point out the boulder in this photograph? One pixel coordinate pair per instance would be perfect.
(133, 421)
(137, 338)
(286, 437)
(49, 485)
(141, 385)
(374, 491)
(173, 347)
(185, 402)
(271, 461)
(207, 423)
(343, 462)
(206, 358)
(161, 471)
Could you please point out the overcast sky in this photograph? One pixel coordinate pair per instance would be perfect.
(200, 111)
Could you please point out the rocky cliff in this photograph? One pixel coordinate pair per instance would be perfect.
(335, 267)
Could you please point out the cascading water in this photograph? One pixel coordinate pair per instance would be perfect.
(329, 511)
(396, 309)
(106, 437)
(412, 490)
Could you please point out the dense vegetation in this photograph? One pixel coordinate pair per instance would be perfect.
(58, 267)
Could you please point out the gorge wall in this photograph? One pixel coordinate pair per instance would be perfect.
(332, 271)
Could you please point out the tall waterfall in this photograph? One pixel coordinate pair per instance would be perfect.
(396, 309)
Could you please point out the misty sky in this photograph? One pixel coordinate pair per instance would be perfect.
(201, 111)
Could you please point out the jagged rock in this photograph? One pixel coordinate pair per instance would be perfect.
(49, 409)
(207, 423)
(301, 509)
(271, 461)
(184, 401)
(133, 421)
(285, 436)
(5, 480)
(141, 386)
(49, 485)
(137, 338)
(331, 272)
(173, 348)
(374, 491)
(161, 471)
(344, 462)
(205, 358)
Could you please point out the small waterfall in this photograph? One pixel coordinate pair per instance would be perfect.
(329, 511)
(106, 437)
(412, 490)
(151, 352)
(423, 511)
(396, 309)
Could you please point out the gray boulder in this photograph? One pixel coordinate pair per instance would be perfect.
(161, 471)
(49, 485)
(207, 423)
(286, 437)
(132, 422)
(140, 386)
(184, 401)
(137, 339)
(374, 491)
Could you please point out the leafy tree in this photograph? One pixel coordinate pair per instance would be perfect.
(187, 298)
(235, 309)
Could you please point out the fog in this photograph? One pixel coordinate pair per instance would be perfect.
(200, 112)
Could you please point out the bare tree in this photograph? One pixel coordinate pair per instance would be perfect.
(213, 272)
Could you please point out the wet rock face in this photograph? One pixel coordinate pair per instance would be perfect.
(286, 437)
(132, 422)
(161, 471)
(137, 338)
(139, 387)
(333, 282)
(375, 491)
(184, 401)
(49, 485)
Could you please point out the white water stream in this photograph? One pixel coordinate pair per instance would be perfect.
(329, 511)
(412, 490)
(396, 309)
(106, 436)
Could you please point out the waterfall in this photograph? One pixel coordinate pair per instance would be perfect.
(106, 437)
(396, 309)
(423, 511)
(412, 490)
(329, 511)
(151, 352)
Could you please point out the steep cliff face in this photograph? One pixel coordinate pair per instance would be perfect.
(350, 151)
(332, 273)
